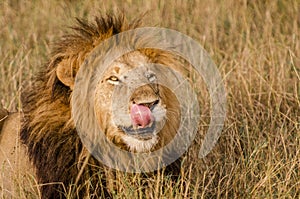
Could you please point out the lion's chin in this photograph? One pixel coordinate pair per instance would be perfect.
(140, 145)
(145, 133)
(140, 140)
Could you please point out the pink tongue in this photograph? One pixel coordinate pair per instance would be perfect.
(140, 115)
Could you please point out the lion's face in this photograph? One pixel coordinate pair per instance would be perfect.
(151, 115)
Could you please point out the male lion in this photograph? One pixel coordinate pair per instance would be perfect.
(48, 133)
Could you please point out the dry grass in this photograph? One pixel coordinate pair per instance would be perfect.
(256, 46)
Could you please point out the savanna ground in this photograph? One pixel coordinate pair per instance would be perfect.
(255, 45)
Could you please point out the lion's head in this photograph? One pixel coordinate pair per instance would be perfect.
(150, 117)
(153, 111)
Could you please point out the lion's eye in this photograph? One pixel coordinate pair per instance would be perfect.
(113, 80)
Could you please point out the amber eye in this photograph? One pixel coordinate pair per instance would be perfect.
(113, 80)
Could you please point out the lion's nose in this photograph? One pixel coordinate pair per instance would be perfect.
(150, 105)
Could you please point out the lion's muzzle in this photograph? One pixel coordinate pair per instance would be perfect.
(144, 118)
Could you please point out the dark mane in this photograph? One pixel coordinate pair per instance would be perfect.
(48, 131)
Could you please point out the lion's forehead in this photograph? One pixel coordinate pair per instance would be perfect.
(127, 62)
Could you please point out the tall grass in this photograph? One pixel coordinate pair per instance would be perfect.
(255, 45)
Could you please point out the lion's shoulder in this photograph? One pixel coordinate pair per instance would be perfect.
(16, 170)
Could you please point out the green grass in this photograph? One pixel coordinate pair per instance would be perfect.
(255, 45)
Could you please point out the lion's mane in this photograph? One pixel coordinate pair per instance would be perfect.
(48, 131)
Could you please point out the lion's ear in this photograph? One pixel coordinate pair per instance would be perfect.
(66, 73)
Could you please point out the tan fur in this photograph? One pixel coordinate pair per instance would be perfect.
(16, 173)
(3, 116)
(48, 134)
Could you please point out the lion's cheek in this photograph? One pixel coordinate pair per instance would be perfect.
(115, 135)
(102, 110)
(109, 129)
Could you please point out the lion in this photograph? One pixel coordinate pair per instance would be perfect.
(50, 144)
